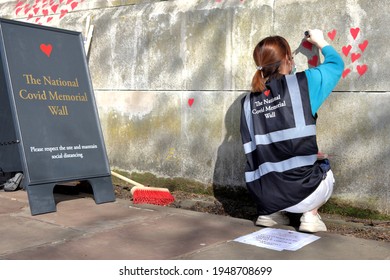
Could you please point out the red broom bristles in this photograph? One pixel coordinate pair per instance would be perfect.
(149, 195)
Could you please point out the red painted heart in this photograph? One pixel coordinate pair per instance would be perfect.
(332, 34)
(313, 61)
(307, 45)
(74, 5)
(354, 32)
(27, 8)
(267, 92)
(46, 49)
(191, 101)
(54, 8)
(363, 45)
(18, 10)
(361, 69)
(63, 13)
(355, 56)
(346, 50)
(346, 72)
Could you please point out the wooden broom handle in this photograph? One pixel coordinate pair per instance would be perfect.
(126, 179)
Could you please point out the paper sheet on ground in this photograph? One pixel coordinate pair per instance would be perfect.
(278, 239)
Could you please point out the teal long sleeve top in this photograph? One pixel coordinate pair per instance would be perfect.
(324, 78)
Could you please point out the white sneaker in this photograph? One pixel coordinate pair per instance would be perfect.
(273, 219)
(311, 223)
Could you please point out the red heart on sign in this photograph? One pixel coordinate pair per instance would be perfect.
(346, 72)
(355, 56)
(363, 45)
(346, 50)
(332, 34)
(354, 32)
(46, 49)
(267, 92)
(361, 69)
(313, 61)
(190, 101)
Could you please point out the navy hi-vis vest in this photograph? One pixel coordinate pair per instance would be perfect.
(278, 132)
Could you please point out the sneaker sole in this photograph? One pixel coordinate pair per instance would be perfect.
(266, 223)
(309, 227)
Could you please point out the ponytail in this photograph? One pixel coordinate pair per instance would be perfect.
(258, 82)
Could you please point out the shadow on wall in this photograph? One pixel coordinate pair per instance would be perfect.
(228, 180)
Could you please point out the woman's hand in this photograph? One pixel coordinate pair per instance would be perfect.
(316, 37)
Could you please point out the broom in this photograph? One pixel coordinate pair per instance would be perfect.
(147, 195)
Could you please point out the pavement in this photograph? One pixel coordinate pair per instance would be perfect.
(80, 229)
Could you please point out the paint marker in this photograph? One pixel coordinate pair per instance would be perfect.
(307, 34)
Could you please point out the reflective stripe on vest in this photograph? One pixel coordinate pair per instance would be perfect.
(300, 130)
(281, 166)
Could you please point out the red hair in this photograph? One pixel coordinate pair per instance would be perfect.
(269, 55)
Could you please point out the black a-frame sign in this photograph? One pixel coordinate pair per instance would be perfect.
(49, 124)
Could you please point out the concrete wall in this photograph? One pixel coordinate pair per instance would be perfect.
(169, 75)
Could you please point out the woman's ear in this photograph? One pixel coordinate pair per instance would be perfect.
(288, 60)
(285, 66)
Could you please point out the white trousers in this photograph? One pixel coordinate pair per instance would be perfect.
(317, 198)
